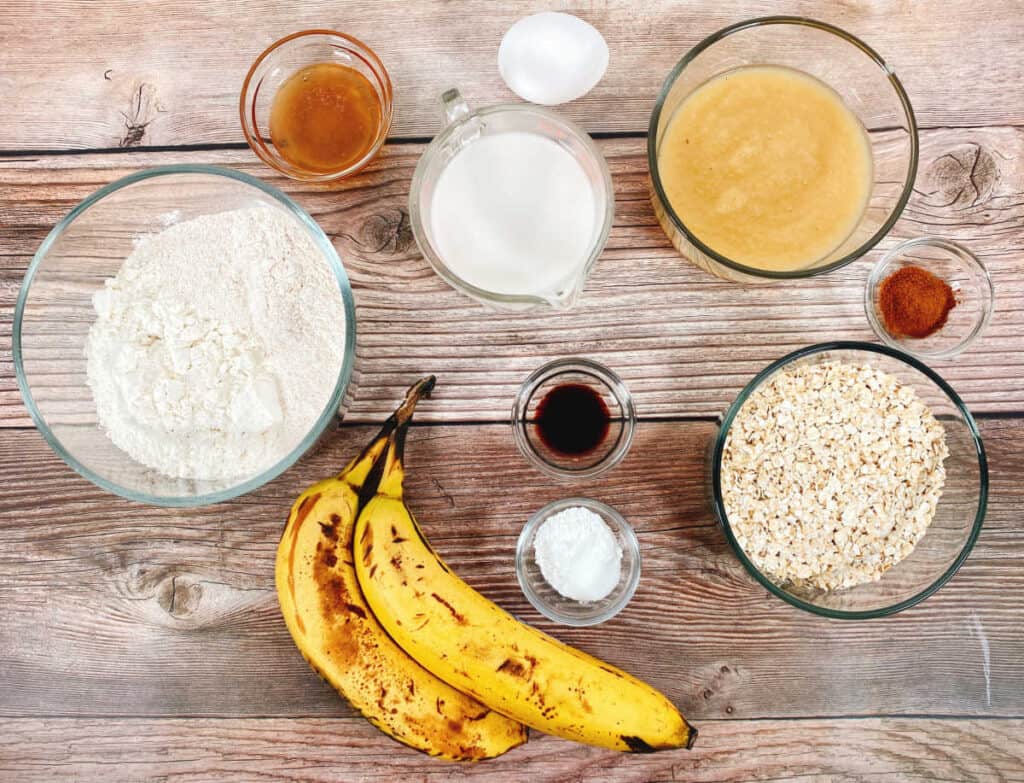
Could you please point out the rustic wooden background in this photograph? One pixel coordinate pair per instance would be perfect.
(145, 644)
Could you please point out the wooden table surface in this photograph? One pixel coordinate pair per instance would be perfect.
(139, 643)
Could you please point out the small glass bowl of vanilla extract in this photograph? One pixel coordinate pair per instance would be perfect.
(316, 105)
(573, 419)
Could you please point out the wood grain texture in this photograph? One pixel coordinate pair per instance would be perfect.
(111, 608)
(326, 750)
(142, 644)
(124, 74)
(684, 341)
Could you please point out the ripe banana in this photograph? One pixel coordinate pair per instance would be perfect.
(482, 650)
(340, 638)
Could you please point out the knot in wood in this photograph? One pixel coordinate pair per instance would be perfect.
(178, 597)
(962, 178)
(389, 233)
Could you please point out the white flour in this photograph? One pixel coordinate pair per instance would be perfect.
(217, 345)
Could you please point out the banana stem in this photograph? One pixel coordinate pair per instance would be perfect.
(386, 473)
(417, 391)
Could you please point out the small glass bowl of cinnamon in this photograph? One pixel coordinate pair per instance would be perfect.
(929, 297)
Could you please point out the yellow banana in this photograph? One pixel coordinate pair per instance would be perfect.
(482, 650)
(340, 638)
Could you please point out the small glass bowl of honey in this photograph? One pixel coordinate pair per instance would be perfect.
(316, 105)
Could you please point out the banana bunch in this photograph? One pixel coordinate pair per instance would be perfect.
(421, 654)
(341, 639)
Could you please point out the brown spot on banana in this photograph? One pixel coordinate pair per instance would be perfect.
(458, 617)
(637, 745)
(518, 668)
(587, 707)
(300, 516)
(514, 668)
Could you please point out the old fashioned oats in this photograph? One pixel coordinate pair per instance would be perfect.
(831, 474)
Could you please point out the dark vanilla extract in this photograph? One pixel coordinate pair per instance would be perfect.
(572, 419)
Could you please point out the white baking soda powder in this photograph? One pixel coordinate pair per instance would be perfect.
(514, 213)
(578, 554)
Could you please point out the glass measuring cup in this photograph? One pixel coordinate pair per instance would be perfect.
(464, 127)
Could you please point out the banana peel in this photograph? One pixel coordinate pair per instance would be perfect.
(338, 634)
(480, 649)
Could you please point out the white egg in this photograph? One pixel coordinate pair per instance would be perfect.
(551, 58)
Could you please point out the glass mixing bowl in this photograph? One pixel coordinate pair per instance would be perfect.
(958, 517)
(54, 313)
(852, 69)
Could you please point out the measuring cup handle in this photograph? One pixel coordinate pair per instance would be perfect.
(455, 107)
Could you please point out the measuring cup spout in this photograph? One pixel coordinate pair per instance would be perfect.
(567, 296)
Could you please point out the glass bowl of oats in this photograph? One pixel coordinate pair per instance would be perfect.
(850, 480)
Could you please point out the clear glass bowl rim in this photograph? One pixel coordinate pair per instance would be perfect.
(419, 231)
(958, 250)
(604, 510)
(723, 519)
(251, 131)
(606, 377)
(330, 410)
(652, 141)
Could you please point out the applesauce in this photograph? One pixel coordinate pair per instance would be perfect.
(766, 166)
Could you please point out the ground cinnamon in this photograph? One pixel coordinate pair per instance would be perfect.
(914, 302)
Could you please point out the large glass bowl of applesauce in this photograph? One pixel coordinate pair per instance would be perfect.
(780, 148)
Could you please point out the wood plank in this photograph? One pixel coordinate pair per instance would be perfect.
(112, 608)
(166, 74)
(350, 750)
(684, 341)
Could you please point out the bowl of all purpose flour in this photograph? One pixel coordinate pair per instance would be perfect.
(578, 561)
(184, 335)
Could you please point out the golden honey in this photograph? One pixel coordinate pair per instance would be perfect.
(325, 117)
